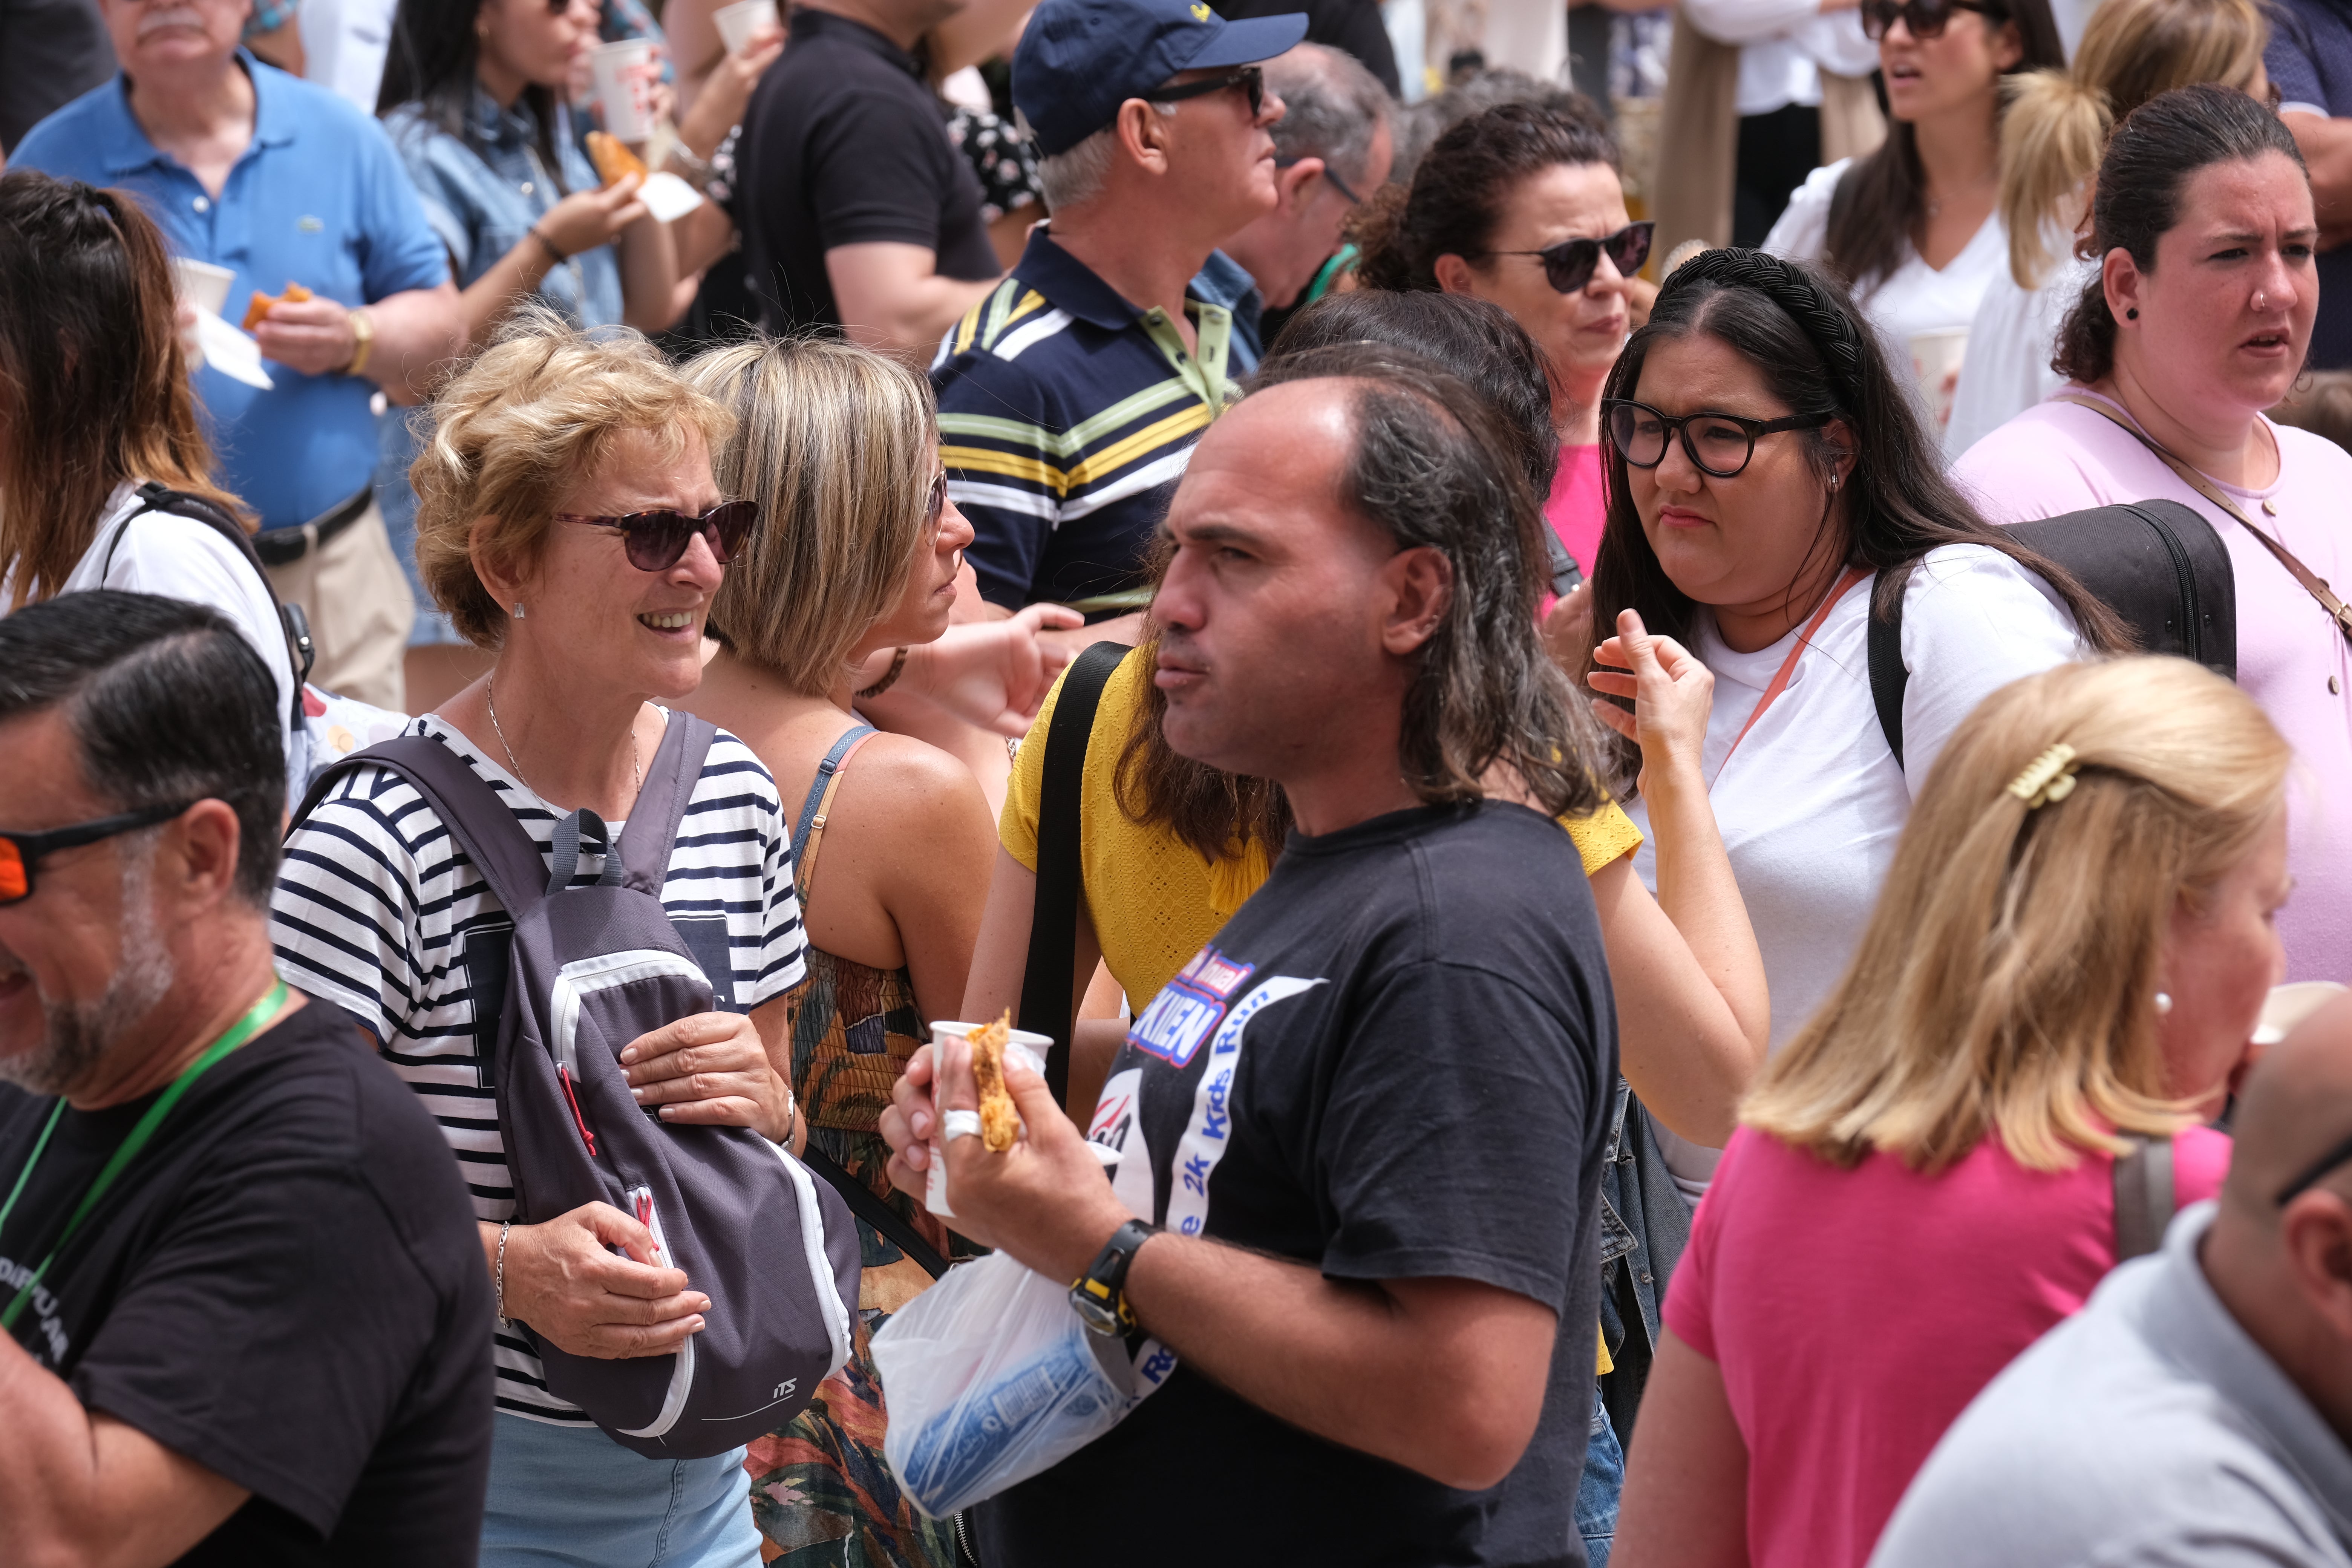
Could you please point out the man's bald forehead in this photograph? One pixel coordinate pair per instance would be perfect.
(2296, 1106)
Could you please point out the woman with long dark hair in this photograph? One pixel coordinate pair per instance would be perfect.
(1771, 487)
(1913, 228)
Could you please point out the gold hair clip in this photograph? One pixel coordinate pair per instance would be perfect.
(2049, 777)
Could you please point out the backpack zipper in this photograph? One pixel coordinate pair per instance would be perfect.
(2184, 578)
(563, 1076)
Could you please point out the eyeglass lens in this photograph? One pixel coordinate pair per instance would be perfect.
(16, 877)
(1570, 265)
(1718, 446)
(1922, 18)
(656, 540)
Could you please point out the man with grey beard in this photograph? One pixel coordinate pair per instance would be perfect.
(246, 1317)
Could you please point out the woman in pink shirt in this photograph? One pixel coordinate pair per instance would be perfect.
(2074, 941)
(2197, 320)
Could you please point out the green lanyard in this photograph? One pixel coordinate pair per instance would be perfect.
(244, 1029)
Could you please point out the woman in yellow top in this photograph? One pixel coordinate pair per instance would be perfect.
(1168, 848)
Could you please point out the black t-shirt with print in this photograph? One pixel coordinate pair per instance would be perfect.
(285, 1286)
(1393, 1062)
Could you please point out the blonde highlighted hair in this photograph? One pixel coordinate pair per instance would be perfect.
(839, 446)
(2058, 121)
(2006, 986)
(535, 414)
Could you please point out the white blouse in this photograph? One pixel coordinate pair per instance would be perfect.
(1915, 297)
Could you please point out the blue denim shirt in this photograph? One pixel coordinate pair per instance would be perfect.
(482, 199)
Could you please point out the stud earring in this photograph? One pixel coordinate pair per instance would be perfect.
(518, 610)
(2132, 314)
(1834, 481)
(2163, 1003)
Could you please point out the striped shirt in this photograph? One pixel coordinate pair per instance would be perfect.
(376, 911)
(1066, 416)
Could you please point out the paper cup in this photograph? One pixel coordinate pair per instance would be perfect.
(1031, 1048)
(626, 74)
(2290, 1005)
(737, 23)
(1935, 358)
(205, 284)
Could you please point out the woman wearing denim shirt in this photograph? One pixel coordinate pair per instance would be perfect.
(472, 97)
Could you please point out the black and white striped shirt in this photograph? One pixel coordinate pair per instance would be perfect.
(375, 905)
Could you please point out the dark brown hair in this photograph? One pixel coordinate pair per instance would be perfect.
(93, 383)
(1885, 201)
(2147, 164)
(1457, 194)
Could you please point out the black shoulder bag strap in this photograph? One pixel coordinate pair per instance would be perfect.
(2144, 1196)
(874, 1211)
(1888, 677)
(1053, 917)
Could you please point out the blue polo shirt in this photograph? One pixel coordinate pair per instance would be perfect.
(317, 198)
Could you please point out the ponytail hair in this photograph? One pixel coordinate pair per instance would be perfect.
(2051, 140)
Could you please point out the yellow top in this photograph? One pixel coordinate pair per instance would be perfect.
(1155, 902)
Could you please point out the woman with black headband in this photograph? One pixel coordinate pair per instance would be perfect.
(1770, 489)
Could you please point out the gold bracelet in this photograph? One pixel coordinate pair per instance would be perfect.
(897, 669)
(364, 336)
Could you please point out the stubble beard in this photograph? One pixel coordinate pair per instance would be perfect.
(81, 1033)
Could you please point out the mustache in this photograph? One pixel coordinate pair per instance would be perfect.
(170, 17)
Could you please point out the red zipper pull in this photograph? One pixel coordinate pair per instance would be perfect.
(564, 1074)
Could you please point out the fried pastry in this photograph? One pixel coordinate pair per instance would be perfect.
(1000, 1124)
(613, 159)
(295, 294)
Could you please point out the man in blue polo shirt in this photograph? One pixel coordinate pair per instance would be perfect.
(1070, 397)
(281, 181)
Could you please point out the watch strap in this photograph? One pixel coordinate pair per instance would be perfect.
(1102, 1289)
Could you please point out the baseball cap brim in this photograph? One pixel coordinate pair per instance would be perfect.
(1248, 41)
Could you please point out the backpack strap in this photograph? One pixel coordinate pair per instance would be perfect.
(478, 820)
(300, 652)
(670, 778)
(874, 1211)
(1053, 917)
(1888, 676)
(2144, 1196)
(809, 831)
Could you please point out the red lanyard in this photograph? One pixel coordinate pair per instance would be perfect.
(1788, 666)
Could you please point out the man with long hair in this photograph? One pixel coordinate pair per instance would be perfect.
(1358, 1137)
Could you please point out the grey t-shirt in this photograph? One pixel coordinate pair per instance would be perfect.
(2146, 1432)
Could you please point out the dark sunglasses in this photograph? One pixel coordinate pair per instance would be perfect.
(1570, 265)
(21, 852)
(1330, 174)
(655, 540)
(935, 505)
(1250, 78)
(1716, 444)
(1923, 18)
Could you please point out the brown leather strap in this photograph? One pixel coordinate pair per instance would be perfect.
(2313, 584)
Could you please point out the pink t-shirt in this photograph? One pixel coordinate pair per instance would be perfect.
(1855, 1313)
(2058, 458)
(1574, 508)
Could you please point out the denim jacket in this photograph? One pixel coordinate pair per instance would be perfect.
(1645, 1227)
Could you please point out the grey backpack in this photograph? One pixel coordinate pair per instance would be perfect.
(589, 970)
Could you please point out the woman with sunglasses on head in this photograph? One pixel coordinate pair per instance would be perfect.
(570, 528)
(1522, 206)
(2198, 318)
(2074, 946)
(1914, 229)
(2055, 128)
(1771, 490)
(859, 556)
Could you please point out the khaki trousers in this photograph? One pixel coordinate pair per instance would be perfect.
(357, 597)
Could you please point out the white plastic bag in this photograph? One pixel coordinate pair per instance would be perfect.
(990, 1378)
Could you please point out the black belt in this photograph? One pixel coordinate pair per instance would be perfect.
(284, 546)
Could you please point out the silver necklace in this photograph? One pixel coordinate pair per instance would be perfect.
(490, 698)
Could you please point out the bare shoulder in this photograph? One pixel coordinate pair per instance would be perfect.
(907, 787)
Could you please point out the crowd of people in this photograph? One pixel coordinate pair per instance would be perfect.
(1674, 840)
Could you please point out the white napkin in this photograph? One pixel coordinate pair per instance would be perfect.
(667, 197)
(229, 350)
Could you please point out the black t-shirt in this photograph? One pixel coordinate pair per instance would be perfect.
(1353, 27)
(285, 1286)
(1393, 1062)
(844, 144)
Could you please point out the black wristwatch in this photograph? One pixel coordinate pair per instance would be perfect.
(1100, 1295)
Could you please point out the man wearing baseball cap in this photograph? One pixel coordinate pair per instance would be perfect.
(1070, 397)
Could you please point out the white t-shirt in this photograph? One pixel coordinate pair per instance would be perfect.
(374, 906)
(179, 558)
(2009, 343)
(1912, 299)
(1811, 803)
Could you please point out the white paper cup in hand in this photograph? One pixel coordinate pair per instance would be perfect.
(624, 74)
(737, 23)
(204, 285)
(1936, 356)
(1031, 1048)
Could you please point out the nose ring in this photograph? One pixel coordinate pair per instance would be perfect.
(2259, 299)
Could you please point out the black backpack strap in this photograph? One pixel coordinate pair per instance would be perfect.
(874, 1211)
(300, 652)
(1888, 677)
(670, 778)
(2144, 1196)
(1054, 919)
(480, 821)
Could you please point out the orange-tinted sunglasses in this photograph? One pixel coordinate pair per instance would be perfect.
(21, 852)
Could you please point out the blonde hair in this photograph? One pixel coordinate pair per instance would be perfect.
(2007, 982)
(536, 412)
(2058, 121)
(839, 446)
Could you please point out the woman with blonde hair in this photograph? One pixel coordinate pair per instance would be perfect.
(2070, 954)
(2051, 142)
(892, 839)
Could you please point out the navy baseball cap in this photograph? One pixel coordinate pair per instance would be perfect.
(1080, 59)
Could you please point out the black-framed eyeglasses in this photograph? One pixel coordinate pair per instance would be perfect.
(1330, 174)
(655, 540)
(1251, 78)
(20, 853)
(1570, 265)
(1923, 18)
(1716, 444)
(2314, 1172)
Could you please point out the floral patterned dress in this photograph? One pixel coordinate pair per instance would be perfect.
(820, 1488)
